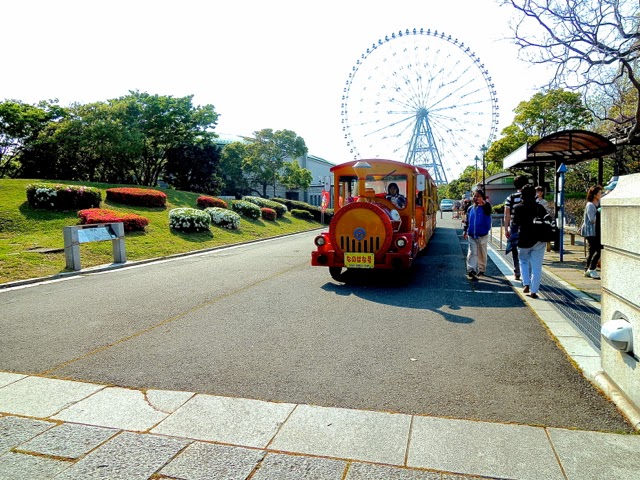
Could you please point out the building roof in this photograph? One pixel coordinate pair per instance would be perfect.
(567, 146)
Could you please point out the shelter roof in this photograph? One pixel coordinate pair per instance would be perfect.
(568, 147)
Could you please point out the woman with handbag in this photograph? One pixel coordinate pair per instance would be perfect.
(531, 249)
(590, 230)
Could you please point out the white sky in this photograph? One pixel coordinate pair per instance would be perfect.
(263, 64)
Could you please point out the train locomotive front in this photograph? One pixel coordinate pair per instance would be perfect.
(384, 215)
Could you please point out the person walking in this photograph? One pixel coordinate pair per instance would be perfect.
(540, 197)
(591, 230)
(530, 249)
(509, 204)
(476, 226)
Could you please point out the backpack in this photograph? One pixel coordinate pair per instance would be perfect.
(544, 228)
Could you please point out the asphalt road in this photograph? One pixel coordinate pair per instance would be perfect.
(257, 321)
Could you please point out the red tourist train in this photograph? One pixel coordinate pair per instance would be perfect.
(384, 215)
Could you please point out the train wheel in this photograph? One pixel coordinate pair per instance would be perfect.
(336, 273)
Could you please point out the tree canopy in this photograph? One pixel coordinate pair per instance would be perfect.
(594, 46)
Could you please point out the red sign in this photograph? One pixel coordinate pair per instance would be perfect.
(325, 200)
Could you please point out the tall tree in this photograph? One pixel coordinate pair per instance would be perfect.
(594, 46)
(266, 154)
(294, 176)
(20, 124)
(235, 182)
(545, 113)
(195, 168)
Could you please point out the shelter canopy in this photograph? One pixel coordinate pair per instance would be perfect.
(568, 147)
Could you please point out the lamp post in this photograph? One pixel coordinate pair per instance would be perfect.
(475, 177)
(483, 149)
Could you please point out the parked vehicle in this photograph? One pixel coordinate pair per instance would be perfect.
(446, 205)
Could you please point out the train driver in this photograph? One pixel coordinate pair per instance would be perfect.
(394, 196)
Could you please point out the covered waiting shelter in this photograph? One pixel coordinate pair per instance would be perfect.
(566, 147)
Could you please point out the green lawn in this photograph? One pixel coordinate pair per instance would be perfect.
(24, 229)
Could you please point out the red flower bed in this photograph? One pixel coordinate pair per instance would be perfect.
(141, 197)
(131, 221)
(206, 202)
(268, 213)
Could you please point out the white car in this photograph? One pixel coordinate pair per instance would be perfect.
(446, 205)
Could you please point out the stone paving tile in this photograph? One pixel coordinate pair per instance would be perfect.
(167, 401)
(68, 440)
(114, 407)
(596, 456)
(238, 421)
(42, 397)
(19, 466)
(204, 461)
(365, 471)
(6, 378)
(15, 430)
(288, 467)
(342, 433)
(128, 456)
(481, 448)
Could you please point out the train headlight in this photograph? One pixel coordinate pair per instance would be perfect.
(395, 216)
(320, 241)
(401, 242)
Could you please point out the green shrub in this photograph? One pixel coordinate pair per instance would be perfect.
(247, 209)
(224, 218)
(279, 208)
(62, 197)
(189, 220)
(498, 208)
(303, 214)
(316, 212)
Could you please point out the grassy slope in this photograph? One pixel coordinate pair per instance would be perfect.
(23, 228)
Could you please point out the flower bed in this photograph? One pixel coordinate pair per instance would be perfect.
(247, 209)
(279, 208)
(268, 214)
(189, 219)
(131, 221)
(206, 202)
(141, 197)
(62, 197)
(224, 218)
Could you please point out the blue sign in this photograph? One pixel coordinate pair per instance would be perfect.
(359, 233)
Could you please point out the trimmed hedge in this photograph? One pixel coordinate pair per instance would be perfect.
(140, 197)
(131, 221)
(189, 220)
(62, 197)
(207, 202)
(247, 209)
(269, 214)
(279, 208)
(316, 212)
(224, 218)
(303, 214)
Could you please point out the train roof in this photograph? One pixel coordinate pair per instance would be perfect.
(375, 162)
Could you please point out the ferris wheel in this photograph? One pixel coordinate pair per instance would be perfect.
(423, 97)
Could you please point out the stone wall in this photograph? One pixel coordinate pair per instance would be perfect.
(621, 280)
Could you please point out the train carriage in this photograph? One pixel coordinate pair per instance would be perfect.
(384, 215)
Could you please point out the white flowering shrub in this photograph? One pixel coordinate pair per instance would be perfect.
(224, 218)
(189, 219)
(279, 208)
(247, 209)
(62, 197)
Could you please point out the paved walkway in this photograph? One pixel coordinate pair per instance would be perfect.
(63, 429)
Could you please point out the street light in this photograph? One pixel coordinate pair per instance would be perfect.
(483, 149)
(475, 176)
